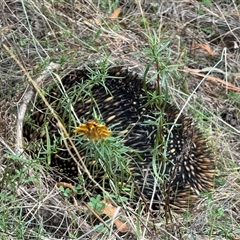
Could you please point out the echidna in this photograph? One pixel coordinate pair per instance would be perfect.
(168, 159)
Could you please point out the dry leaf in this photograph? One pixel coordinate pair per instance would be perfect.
(93, 130)
(111, 212)
(66, 185)
(115, 14)
(203, 46)
(226, 85)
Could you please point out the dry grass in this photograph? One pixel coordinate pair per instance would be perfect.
(203, 36)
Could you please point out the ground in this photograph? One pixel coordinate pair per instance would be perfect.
(194, 44)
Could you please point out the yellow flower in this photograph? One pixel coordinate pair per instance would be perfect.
(93, 130)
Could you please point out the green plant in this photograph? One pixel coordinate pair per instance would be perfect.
(65, 191)
(96, 203)
(159, 55)
(208, 31)
(206, 2)
(217, 215)
(108, 6)
(234, 96)
(19, 175)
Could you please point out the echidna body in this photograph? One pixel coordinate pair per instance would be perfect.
(172, 163)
